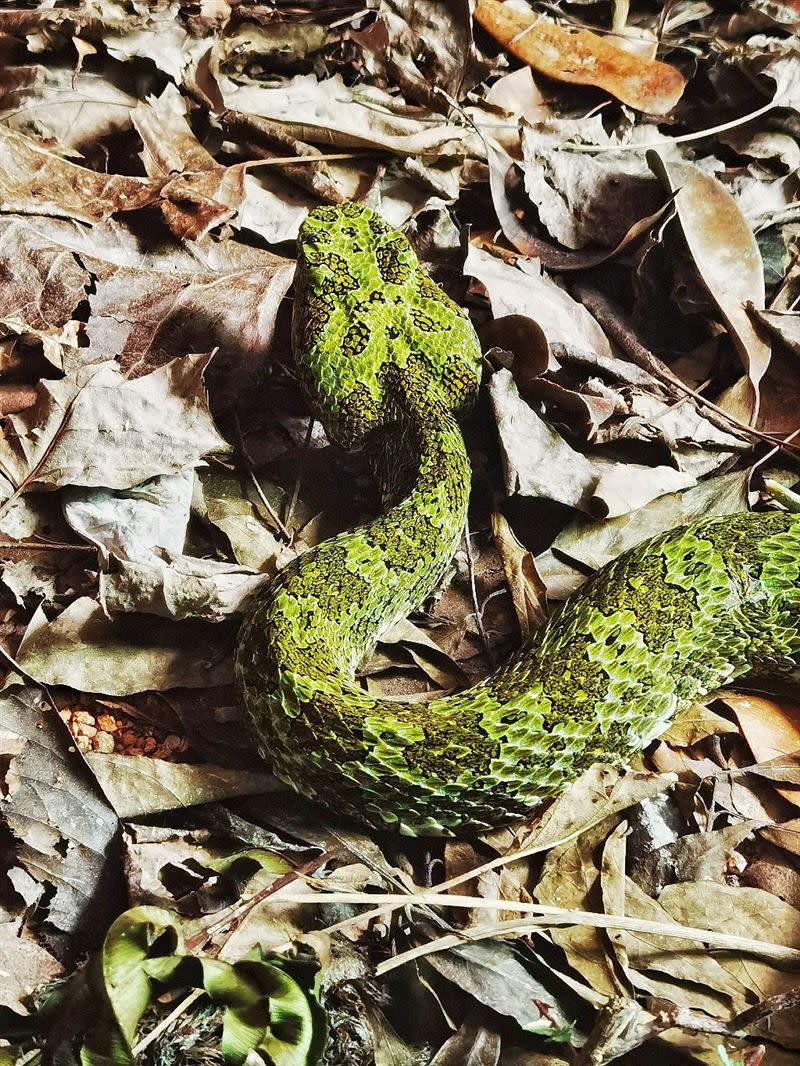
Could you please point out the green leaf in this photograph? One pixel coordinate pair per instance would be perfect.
(269, 1006)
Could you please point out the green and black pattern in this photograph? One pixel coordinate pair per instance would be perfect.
(379, 347)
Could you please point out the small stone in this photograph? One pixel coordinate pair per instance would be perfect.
(83, 743)
(150, 745)
(83, 716)
(136, 750)
(107, 723)
(84, 730)
(173, 742)
(103, 742)
(128, 738)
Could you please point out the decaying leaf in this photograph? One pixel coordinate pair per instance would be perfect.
(36, 181)
(63, 831)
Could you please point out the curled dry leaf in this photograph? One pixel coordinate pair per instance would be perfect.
(528, 592)
(425, 46)
(582, 58)
(771, 729)
(538, 462)
(583, 199)
(131, 523)
(525, 289)
(335, 114)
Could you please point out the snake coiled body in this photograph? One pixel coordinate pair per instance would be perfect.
(387, 358)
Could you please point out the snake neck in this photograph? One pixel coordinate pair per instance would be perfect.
(328, 607)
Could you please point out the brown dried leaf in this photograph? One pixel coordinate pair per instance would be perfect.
(785, 835)
(424, 46)
(137, 786)
(198, 193)
(72, 109)
(770, 728)
(748, 912)
(600, 791)
(84, 650)
(528, 592)
(569, 879)
(726, 255)
(582, 58)
(36, 181)
(95, 428)
(695, 724)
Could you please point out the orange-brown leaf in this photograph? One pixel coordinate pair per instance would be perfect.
(582, 58)
(771, 729)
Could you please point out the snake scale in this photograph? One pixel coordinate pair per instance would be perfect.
(385, 357)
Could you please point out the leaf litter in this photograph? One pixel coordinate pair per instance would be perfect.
(611, 190)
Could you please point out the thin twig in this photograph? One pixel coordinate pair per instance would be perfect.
(296, 493)
(287, 160)
(612, 324)
(165, 1023)
(261, 495)
(474, 590)
(544, 915)
(682, 138)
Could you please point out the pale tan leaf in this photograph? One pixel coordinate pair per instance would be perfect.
(83, 649)
(137, 786)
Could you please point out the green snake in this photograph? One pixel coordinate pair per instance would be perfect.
(388, 361)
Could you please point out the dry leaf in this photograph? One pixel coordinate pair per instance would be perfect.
(83, 649)
(569, 879)
(582, 58)
(137, 787)
(771, 729)
(748, 912)
(726, 255)
(95, 428)
(539, 463)
(528, 592)
(26, 966)
(36, 181)
(525, 289)
(63, 829)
